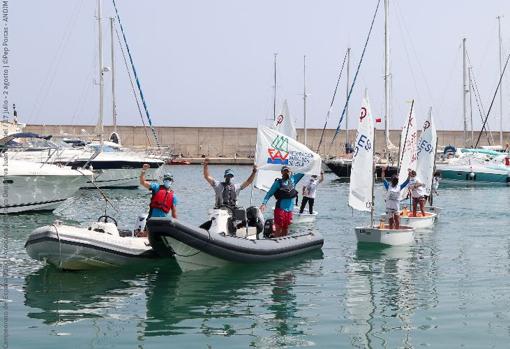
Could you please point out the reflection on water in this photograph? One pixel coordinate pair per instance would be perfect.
(175, 300)
(57, 297)
(211, 301)
(381, 296)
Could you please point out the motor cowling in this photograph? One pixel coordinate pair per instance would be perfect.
(255, 218)
(269, 228)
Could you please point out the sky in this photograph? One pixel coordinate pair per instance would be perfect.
(210, 63)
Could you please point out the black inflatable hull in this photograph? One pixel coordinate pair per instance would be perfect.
(196, 248)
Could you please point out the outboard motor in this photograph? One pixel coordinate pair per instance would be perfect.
(269, 229)
(255, 218)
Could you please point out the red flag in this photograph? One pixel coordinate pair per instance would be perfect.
(378, 120)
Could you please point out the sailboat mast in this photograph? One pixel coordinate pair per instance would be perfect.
(500, 87)
(347, 97)
(372, 208)
(471, 107)
(274, 94)
(387, 77)
(101, 79)
(434, 166)
(304, 99)
(114, 104)
(465, 89)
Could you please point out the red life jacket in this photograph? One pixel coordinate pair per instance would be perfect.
(162, 199)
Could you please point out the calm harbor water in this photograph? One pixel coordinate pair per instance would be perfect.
(450, 289)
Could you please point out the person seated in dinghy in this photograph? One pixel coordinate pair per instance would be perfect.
(393, 198)
(227, 191)
(309, 192)
(284, 191)
(163, 200)
(418, 193)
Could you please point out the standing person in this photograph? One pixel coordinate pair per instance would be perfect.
(226, 192)
(309, 192)
(284, 191)
(418, 193)
(435, 185)
(163, 199)
(393, 198)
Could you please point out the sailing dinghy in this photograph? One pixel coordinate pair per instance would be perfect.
(361, 187)
(421, 158)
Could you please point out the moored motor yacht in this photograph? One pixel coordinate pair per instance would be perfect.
(33, 186)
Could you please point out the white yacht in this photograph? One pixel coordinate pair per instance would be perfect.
(34, 186)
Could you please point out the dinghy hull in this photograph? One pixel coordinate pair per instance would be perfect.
(72, 248)
(386, 236)
(419, 222)
(196, 248)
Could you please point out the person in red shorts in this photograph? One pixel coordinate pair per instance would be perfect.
(284, 191)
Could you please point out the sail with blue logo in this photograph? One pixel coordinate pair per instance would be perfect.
(362, 171)
(275, 149)
(427, 153)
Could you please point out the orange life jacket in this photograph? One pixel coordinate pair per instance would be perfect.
(162, 199)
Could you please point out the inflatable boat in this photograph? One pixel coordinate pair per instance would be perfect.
(100, 245)
(236, 236)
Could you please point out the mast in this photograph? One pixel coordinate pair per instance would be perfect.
(373, 180)
(101, 79)
(431, 199)
(114, 105)
(465, 90)
(472, 139)
(274, 94)
(304, 98)
(501, 86)
(347, 97)
(387, 78)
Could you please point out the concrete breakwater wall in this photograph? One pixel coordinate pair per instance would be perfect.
(235, 141)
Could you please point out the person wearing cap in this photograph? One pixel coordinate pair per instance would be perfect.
(309, 192)
(393, 198)
(284, 191)
(163, 200)
(227, 192)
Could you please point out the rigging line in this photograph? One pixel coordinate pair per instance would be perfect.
(479, 102)
(490, 137)
(132, 86)
(337, 131)
(492, 102)
(136, 77)
(49, 79)
(449, 80)
(407, 132)
(332, 99)
(402, 21)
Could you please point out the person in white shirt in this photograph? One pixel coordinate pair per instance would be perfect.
(418, 193)
(393, 198)
(309, 190)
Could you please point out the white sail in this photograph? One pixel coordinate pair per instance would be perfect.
(275, 149)
(408, 153)
(362, 172)
(427, 153)
(283, 122)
